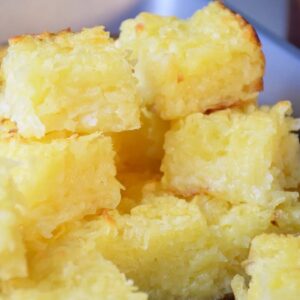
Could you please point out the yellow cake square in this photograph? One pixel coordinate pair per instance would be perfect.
(71, 270)
(61, 179)
(172, 248)
(237, 155)
(69, 81)
(211, 60)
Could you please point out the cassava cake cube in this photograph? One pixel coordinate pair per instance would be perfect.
(248, 155)
(77, 82)
(175, 249)
(61, 179)
(71, 270)
(211, 60)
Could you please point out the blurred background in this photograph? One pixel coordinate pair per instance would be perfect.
(277, 23)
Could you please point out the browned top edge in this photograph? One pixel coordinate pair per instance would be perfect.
(41, 36)
(249, 28)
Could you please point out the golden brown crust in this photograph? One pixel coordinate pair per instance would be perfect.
(188, 193)
(255, 86)
(47, 35)
(259, 85)
(242, 21)
(226, 105)
(253, 36)
(41, 36)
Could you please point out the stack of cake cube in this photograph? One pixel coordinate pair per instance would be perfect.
(143, 167)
